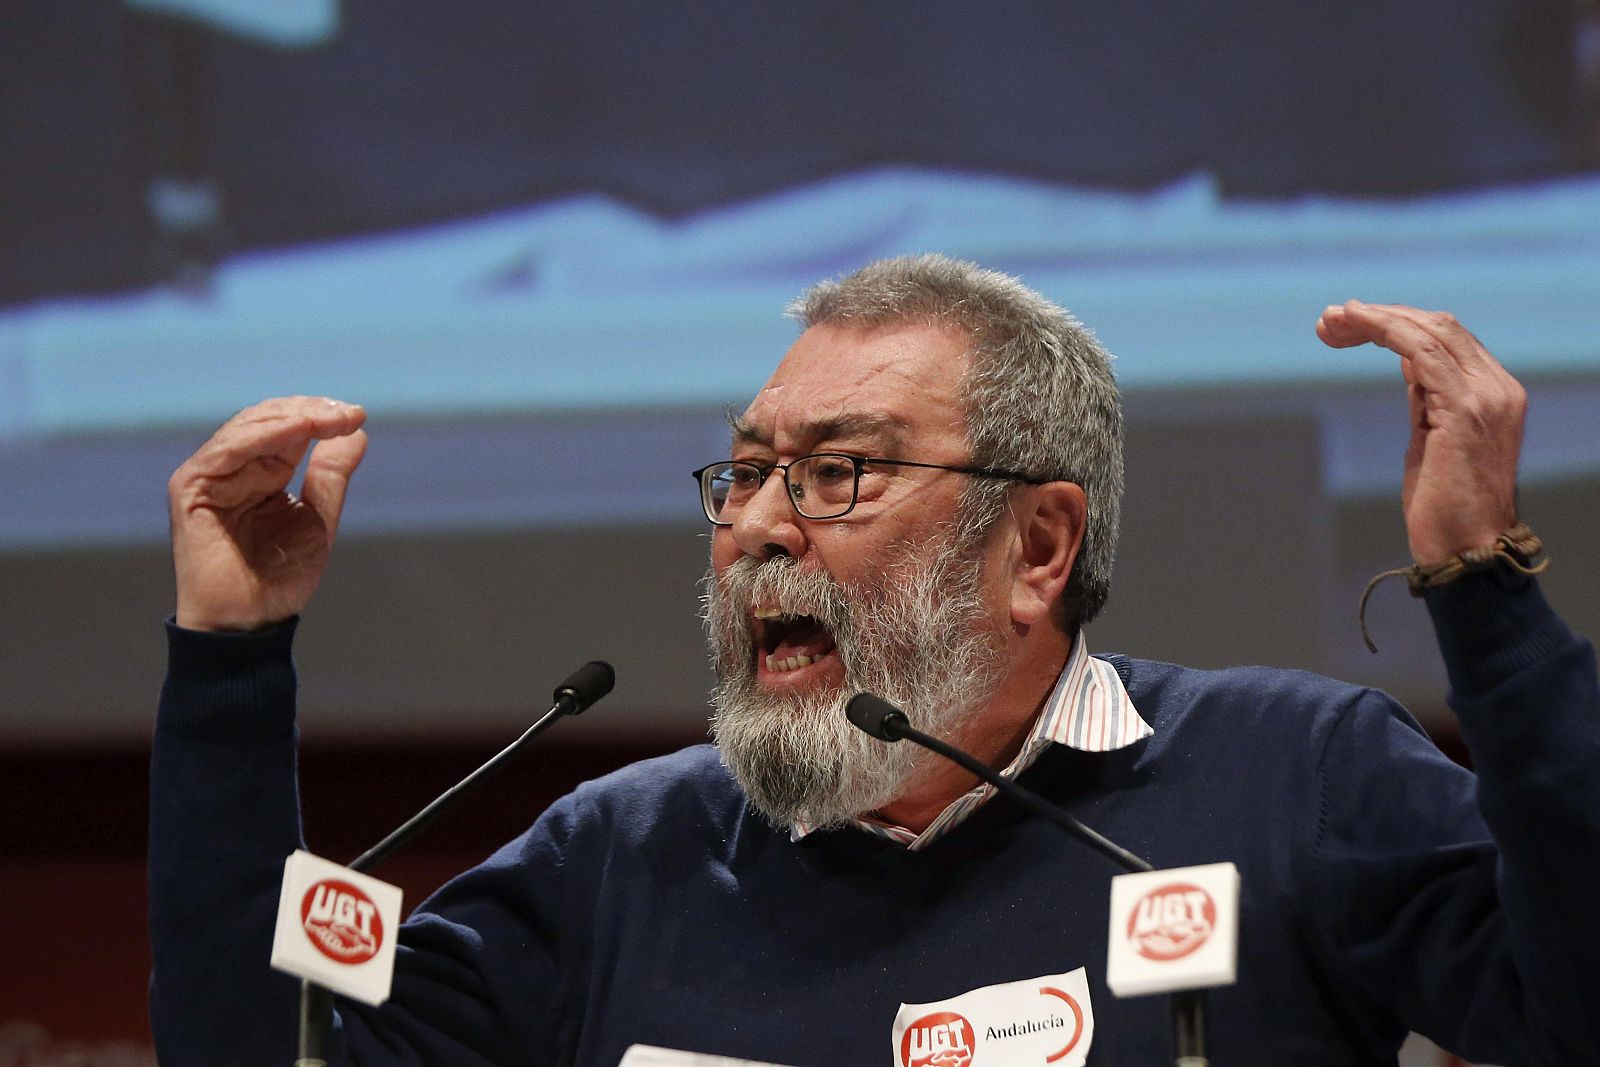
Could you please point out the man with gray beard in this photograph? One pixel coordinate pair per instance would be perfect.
(917, 636)
(922, 502)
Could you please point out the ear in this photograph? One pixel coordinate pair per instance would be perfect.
(1050, 521)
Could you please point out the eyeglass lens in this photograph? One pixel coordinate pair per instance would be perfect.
(821, 487)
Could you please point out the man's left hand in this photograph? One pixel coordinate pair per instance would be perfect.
(1459, 490)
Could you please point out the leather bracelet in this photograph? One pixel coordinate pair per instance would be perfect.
(1516, 549)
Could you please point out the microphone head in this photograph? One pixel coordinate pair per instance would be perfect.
(877, 717)
(584, 686)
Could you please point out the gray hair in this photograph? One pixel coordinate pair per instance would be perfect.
(1038, 393)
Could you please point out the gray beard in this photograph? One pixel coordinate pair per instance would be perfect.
(919, 637)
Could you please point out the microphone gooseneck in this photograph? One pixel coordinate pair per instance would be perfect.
(883, 720)
(581, 689)
(886, 722)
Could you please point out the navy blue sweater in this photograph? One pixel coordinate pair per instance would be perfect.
(1384, 888)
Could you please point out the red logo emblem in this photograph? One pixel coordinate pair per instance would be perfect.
(1077, 1021)
(341, 921)
(943, 1039)
(1171, 922)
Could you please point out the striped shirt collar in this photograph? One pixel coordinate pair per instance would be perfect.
(1088, 710)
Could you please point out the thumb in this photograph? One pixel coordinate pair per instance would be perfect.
(328, 476)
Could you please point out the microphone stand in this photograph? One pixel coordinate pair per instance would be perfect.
(883, 720)
(582, 688)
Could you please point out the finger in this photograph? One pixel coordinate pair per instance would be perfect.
(281, 428)
(1336, 329)
(1356, 322)
(1460, 342)
(261, 478)
(328, 473)
(255, 463)
(1432, 362)
(313, 407)
(1345, 325)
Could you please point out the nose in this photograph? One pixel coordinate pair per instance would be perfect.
(767, 525)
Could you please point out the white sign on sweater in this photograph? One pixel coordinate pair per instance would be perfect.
(1018, 1024)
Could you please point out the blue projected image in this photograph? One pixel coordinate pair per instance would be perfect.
(585, 304)
(581, 228)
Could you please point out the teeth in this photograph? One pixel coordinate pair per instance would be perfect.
(789, 663)
(768, 613)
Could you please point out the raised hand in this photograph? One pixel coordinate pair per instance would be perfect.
(1459, 488)
(246, 551)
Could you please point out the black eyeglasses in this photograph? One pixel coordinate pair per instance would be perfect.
(821, 486)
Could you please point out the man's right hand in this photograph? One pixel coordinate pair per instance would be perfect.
(246, 551)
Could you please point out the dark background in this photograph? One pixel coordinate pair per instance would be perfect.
(416, 112)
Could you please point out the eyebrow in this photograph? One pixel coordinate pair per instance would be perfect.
(883, 430)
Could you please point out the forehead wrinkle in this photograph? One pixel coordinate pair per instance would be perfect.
(882, 430)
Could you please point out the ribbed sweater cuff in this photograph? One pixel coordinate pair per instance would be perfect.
(229, 686)
(1491, 626)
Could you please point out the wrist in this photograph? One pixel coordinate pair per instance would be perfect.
(206, 624)
(1514, 552)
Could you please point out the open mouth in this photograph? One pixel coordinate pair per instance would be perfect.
(787, 642)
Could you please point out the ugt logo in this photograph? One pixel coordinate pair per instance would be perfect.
(341, 921)
(1170, 922)
(943, 1039)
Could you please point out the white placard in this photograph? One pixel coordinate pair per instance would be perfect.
(336, 928)
(1018, 1024)
(1173, 929)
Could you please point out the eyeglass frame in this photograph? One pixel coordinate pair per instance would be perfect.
(857, 463)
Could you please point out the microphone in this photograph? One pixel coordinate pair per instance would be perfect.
(573, 696)
(881, 719)
(584, 686)
(876, 716)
